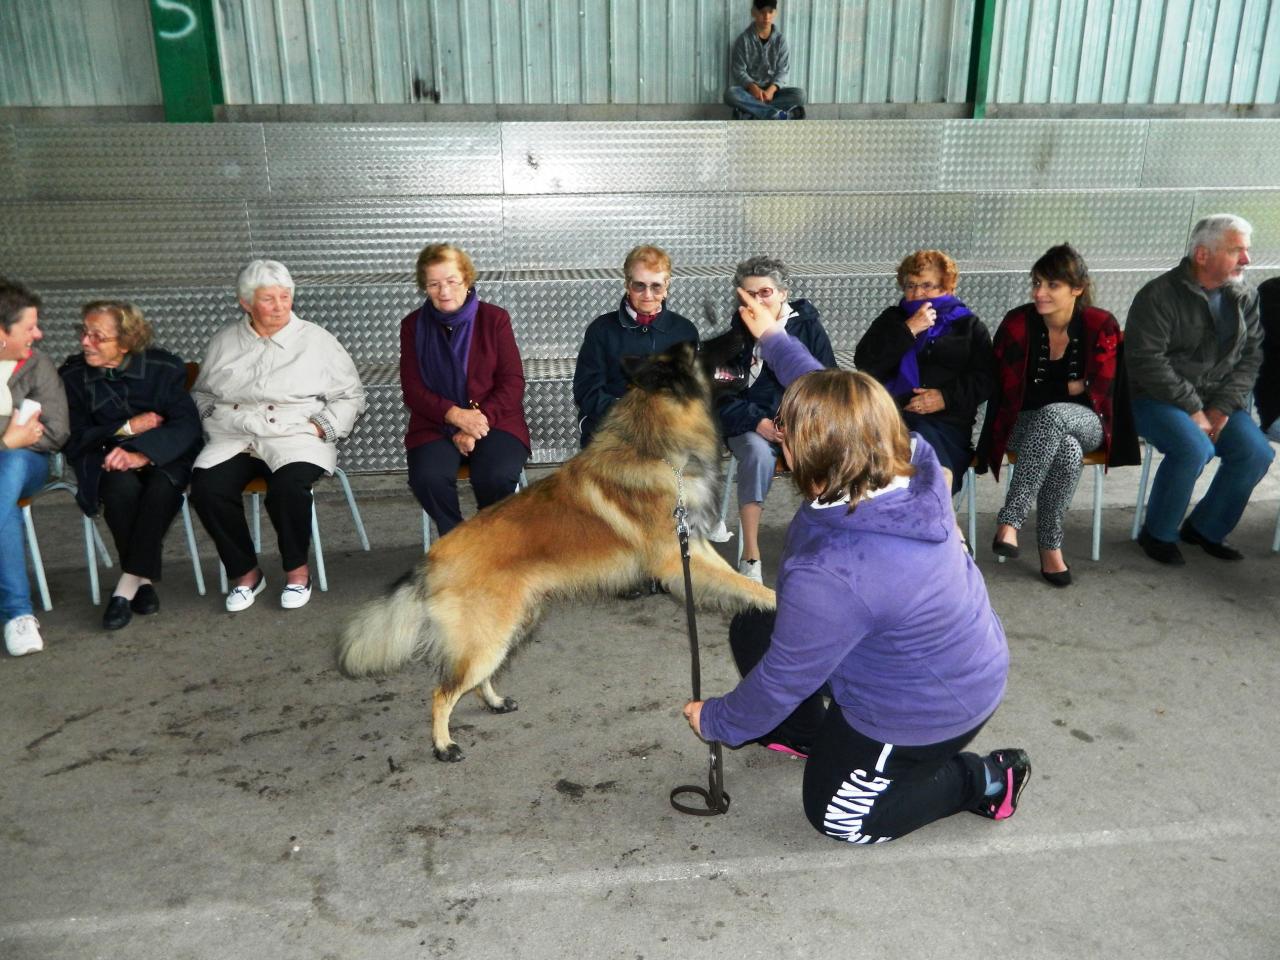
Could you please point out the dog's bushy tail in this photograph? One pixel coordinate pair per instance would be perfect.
(387, 633)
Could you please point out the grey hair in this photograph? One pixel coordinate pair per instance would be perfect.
(769, 267)
(262, 273)
(1208, 232)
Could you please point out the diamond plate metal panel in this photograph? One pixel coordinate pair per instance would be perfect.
(143, 161)
(373, 235)
(614, 157)
(1230, 153)
(1042, 154)
(1260, 207)
(552, 418)
(9, 166)
(1114, 290)
(183, 318)
(876, 228)
(144, 241)
(365, 317)
(376, 445)
(847, 303)
(992, 294)
(834, 155)
(597, 231)
(1112, 226)
(312, 161)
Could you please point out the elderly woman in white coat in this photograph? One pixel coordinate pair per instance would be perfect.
(275, 395)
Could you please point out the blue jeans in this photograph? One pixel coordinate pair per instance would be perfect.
(22, 473)
(1245, 456)
(784, 99)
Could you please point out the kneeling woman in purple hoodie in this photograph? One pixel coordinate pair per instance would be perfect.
(881, 609)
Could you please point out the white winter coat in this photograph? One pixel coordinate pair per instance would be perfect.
(261, 395)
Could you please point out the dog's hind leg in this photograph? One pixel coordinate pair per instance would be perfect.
(493, 700)
(473, 673)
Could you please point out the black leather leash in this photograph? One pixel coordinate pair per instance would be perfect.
(714, 800)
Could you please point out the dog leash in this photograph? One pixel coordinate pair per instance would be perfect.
(715, 801)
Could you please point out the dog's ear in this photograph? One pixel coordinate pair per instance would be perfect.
(632, 365)
(684, 352)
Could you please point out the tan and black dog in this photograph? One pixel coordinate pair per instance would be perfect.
(599, 524)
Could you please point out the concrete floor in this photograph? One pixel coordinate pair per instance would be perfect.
(202, 785)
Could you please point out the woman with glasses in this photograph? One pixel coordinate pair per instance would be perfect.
(463, 383)
(641, 325)
(880, 612)
(933, 355)
(275, 395)
(135, 433)
(27, 436)
(747, 418)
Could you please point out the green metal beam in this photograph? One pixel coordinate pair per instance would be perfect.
(984, 25)
(187, 58)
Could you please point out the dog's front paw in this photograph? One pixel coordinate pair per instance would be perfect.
(450, 754)
(506, 706)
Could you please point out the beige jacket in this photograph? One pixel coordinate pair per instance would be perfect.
(261, 395)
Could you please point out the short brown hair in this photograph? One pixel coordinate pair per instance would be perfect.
(653, 258)
(845, 435)
(923, 260)
(435, 253)
(133, 332)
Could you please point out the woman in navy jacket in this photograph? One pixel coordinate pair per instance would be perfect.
(747, 419)
(135, 433)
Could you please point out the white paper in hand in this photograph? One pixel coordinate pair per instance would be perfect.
(28, 410)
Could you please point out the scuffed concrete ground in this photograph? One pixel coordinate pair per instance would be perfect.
(202, 785)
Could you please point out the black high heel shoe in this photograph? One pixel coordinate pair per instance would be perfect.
(1060, 579)
(1004, 549)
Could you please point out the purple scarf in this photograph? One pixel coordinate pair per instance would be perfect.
(443, 341)
(949, 310)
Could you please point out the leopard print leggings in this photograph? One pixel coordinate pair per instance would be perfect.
(1050, 443)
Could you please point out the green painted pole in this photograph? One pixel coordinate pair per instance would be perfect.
(187, 58)
(984, 25)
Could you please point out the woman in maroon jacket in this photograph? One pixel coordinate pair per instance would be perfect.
(1058, 396)
(463, 383)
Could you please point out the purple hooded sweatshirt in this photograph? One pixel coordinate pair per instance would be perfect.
(884, 604)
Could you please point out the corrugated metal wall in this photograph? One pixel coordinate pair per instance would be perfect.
(1136, 51)
(76, 53)
(580, 51)
(99, 52)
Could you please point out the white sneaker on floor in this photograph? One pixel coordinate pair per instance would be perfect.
(295, 595)
(22, 636)
(241, 598)
(751, 570)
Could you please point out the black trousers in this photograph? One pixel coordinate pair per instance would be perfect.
(857, 788)
(495, 464)
(217, 493)
(139, 506)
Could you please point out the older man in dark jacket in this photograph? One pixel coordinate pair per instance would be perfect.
(1193, 345)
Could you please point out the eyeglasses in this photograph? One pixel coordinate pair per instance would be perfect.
(453, 283)
(639, 287)
(922, 287)
(93, 336)
(764, 293)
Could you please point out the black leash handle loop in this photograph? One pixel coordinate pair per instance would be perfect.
(714, 800)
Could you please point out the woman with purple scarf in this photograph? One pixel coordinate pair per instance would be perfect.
(934, 357)
(463, 383)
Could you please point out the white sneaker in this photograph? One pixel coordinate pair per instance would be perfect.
(241, 598)
(22, 636)
(751, 570)
(720, 533)
(295, 595)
